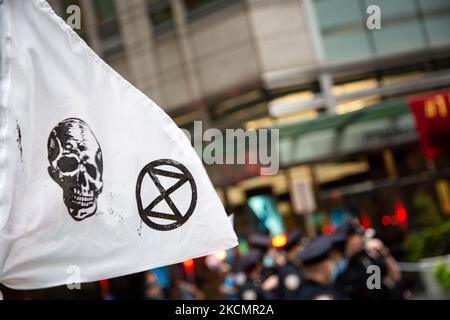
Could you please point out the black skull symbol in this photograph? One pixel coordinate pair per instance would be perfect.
(76, 164)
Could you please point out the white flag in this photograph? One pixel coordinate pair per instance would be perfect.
(96, 181)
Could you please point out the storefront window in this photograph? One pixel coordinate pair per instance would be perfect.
(108, 27)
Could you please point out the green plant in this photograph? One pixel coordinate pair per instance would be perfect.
(431, 242)
(442, 274)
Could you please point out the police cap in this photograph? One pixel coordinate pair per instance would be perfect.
(293, 239)
(249, 261)
(317, 250)
(259, 240)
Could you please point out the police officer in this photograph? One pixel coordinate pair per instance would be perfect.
(259, 241)
(250, 276)
(318, 264)
(359, 254)
(290, 274)
(262, 242)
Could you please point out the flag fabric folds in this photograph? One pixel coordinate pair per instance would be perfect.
(96, 181)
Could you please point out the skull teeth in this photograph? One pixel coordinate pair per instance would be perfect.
(81, 199)
(78, 192)
(83, 203)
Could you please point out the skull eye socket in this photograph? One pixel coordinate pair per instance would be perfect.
(91, 170)
(68, 164)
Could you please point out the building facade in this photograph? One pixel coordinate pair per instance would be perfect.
(298, 65)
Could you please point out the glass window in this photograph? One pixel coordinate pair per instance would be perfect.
(197, 8)
(195, 4)
(160, 14)
(438, 30)
(393, 9)
(332, 13)
(105, 10)
(401, 30)
(108, 26)
(437, 20)
(342, 27)
(192, 5)
(404, 27)
(430, 5)
(394, 38)
(347, 46)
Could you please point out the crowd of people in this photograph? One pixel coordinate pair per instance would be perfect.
(343, 265)
(347, 264)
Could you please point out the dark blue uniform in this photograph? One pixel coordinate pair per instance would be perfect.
(290, 275)
(311, 290)
(353, 280)
(290, 279)
(313, 257)
(252, 291)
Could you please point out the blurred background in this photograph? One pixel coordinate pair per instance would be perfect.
(338, 92)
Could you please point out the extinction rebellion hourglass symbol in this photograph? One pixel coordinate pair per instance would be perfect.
(176, 217)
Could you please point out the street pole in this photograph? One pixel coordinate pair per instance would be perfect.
(325, 77)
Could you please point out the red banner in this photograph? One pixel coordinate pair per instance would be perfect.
(432, 114)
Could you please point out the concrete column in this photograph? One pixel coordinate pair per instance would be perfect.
(325, 78)
(90, 26)
(187, 56)
(326, 86)
(139, 47)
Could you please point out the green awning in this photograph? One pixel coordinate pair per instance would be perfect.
(329, 136)
(382, 110)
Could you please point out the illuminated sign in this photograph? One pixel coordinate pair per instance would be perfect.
(432, 115)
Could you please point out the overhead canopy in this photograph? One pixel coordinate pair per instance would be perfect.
(329, 137)
(383, 125)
